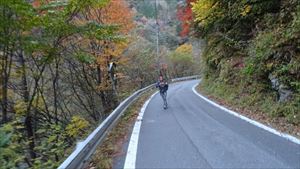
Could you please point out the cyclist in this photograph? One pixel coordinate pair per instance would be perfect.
(163, 88)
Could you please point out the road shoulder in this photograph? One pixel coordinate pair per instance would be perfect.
(258, 120)
(112, 153)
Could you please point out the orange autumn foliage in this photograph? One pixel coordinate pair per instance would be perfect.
(116, 12)
(36, 3)
(185, 16)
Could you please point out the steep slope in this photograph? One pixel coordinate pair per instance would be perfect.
(253, 53)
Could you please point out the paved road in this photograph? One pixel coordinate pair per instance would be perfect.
(195, 134)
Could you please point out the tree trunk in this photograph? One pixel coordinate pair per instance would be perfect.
(99, 75)
(4, 100)
(30, 135)
(28, 119)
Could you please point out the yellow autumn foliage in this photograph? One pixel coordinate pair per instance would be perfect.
(20, 108)
(38, 103)
(246, 10)
(185, 48)
(76, 126)
(204, 10)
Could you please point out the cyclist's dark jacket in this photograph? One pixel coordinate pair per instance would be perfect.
(163, 86)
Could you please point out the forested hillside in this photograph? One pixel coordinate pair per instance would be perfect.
(55, 83)
(252, 56)
(160, 20)
(66, 64)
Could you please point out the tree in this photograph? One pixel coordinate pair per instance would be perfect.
(252, 44)
(140, 69)
(46, 76)
(185, 16)
(118, 13)
(181, 61)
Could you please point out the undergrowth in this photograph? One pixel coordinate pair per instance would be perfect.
(255, 100)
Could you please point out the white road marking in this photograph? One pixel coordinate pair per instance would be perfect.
(284, 135)
(130, 160)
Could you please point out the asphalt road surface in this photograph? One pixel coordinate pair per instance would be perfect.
(192, 133)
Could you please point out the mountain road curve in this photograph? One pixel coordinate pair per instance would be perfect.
(192, 133)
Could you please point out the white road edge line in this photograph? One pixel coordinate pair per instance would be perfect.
(130, 160)
(284, 135)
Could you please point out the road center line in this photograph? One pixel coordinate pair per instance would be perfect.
(130, 160)
(284, 135)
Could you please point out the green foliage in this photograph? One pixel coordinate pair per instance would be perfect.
(77, 127)
(140, 67)
(11, 26)
(20, 108)
(41, 47)
(274, 52)
(247, 43)
(85, 58)
(6, 153)
(253, 97)
(52, 147)
(260, 51)
(100, 32)
(147, 9)
(181, 61)
(10, 150)
(81, 6)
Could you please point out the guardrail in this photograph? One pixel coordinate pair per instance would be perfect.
(85, 149)
(186, 78)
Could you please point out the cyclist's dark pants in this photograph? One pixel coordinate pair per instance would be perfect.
(164, 97)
